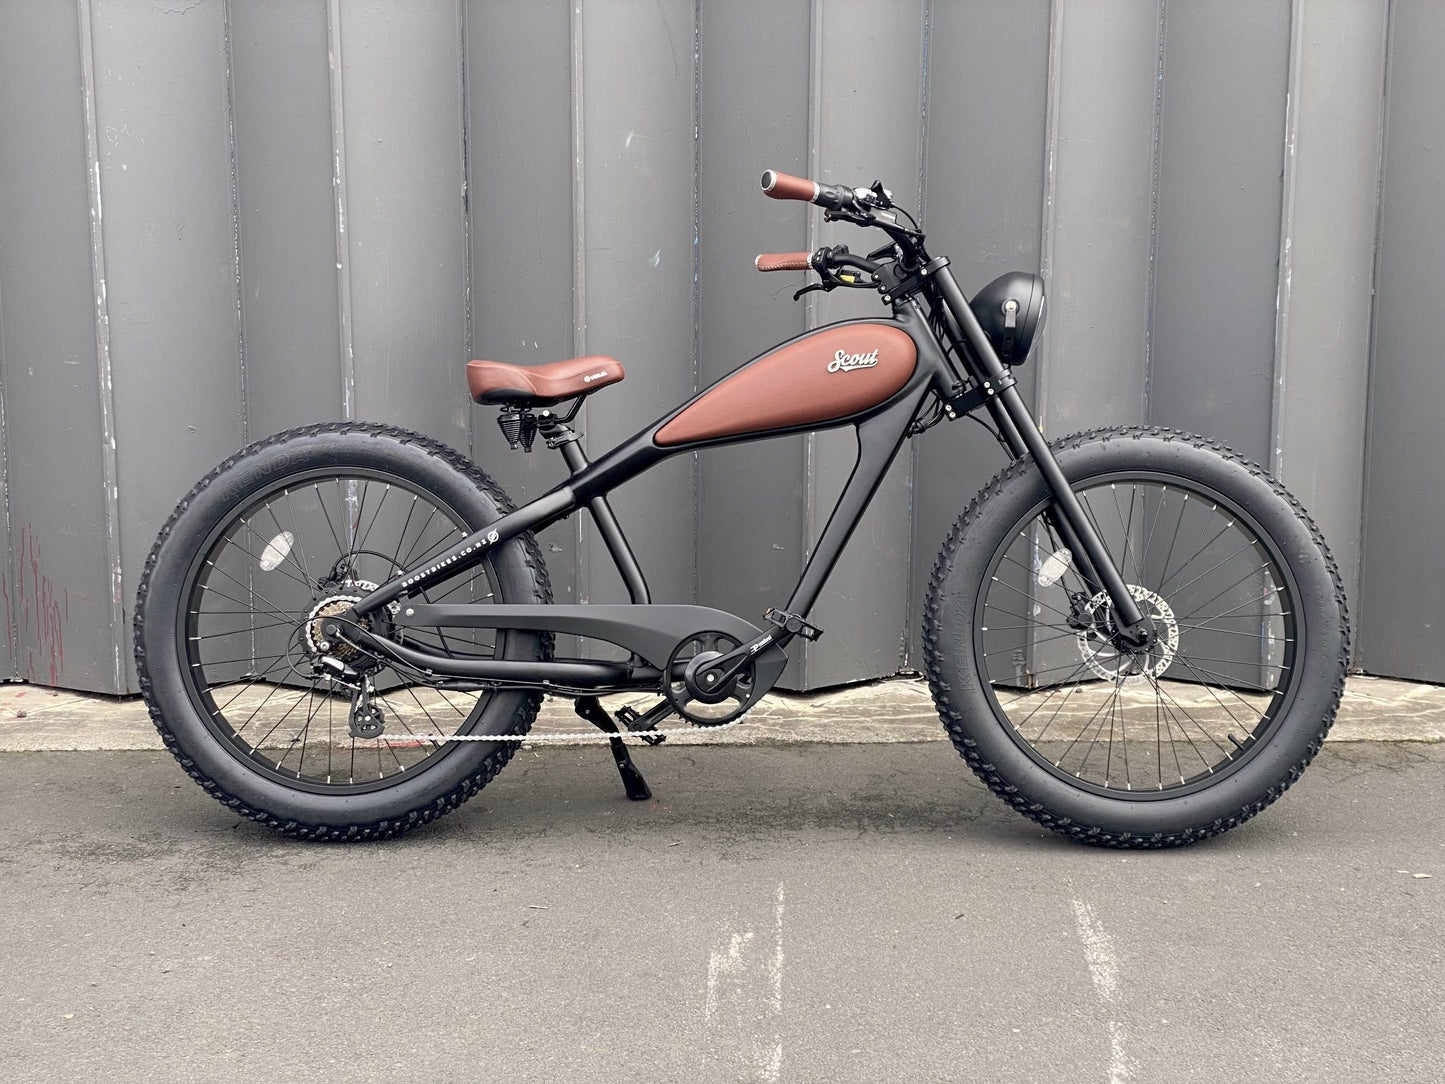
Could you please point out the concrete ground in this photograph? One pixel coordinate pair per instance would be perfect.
(807, 912)
(815, 907)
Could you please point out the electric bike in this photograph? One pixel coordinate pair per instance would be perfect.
(1133, 636)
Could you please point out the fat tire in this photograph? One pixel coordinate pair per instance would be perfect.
(519, 570)
(979, 734)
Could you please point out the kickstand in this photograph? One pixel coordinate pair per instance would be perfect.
(592, 710)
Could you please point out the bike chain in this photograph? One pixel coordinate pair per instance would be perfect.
(569, 737)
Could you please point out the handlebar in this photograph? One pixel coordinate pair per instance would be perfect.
(784, 261)
(833, 197)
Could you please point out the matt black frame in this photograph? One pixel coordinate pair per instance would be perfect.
(650, 631)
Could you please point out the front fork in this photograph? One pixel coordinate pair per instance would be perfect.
(1021, 433)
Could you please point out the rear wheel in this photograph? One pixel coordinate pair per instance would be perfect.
(265, 710)
(1138, 747)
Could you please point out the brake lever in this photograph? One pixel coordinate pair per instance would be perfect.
(824, 286)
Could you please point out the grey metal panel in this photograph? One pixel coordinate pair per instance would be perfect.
(637, 229)
(860, 137)
(1099, 200)
(58, 588)
(165, 165)
(1332, 181)
(1226, 69)
(1402, 633)
(987, 83)
(519, 179)
(751, 495)
(282, 120)
(406, 238)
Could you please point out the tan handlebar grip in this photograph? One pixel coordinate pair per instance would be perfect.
(784, 261)
(783, 186)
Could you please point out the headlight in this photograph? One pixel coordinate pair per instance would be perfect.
(1011, 310)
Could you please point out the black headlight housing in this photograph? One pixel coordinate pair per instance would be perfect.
(1011, 310)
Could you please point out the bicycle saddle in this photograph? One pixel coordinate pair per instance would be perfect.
(497, 383)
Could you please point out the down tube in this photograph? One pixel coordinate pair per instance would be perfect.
(879, 439)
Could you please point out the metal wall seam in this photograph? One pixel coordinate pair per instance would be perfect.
(1286, 237)
(110, 492)
(696, 286)
(1387, 93)
(463, 133)
(338, 184)
(911, 605)
(811, 527)
(236, 231)
(11, 645)
(583, 586)
(1043, 353)
(1161, 39)
(1370, 362)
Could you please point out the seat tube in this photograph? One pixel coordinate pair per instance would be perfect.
(608, 527)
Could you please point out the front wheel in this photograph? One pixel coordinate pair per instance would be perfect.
(1148, 747)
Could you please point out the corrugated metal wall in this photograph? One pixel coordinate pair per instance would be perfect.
(223, 218)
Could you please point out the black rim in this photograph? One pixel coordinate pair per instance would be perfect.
(250, 629)
(1180, 716)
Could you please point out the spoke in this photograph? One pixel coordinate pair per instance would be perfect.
(385, 493)
(244, 687)
(1179, 522)
(1225, 680)
(1016, 591)
(1178, 590)
(201, 663)
(257, 745)
(1036, 643)
(1199, 726)
(406, 562)
(1236, 583)
(300, 550)
(271, 609)
(281, 567)
(1230, 612)
(321, 503)
(248, 631)
(1085, 729)
(1222, 705)
(1237, 662)
(1190, 559)
(1089, 751)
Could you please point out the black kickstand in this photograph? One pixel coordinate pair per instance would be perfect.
(592, 710)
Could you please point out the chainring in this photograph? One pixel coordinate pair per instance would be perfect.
(685, 690)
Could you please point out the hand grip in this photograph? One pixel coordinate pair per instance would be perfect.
(783, 186)
(784, 261)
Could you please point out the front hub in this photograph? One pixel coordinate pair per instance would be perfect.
(1106, 652)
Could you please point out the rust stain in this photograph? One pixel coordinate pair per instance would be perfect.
(40, 612)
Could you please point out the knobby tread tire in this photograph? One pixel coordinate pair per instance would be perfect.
(961, 713)
(385, 827)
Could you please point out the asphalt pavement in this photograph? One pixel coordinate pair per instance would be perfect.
(803, 912)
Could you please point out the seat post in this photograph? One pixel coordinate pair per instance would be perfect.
(558, 434)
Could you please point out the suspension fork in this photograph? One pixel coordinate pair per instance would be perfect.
(1022, 434)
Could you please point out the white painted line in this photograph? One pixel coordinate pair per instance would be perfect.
(1104, 972)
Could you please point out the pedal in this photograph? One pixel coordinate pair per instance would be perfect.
(792, 624)
(640, 723)
(591, 709)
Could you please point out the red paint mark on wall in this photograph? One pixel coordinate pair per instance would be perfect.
(40, 612)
